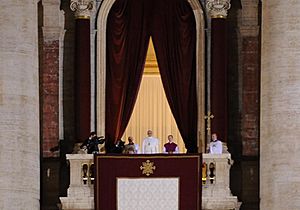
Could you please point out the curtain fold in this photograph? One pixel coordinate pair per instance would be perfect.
(152, 111)
(171, 24)
(127, 43)
(174, 38)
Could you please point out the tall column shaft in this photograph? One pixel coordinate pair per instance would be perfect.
(83, 78)
(19, 106)
(219, 77)
(280, 105)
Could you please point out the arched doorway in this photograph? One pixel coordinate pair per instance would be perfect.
(101, 67)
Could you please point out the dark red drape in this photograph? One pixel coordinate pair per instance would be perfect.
(219, 77)
(127, 43)
(172, 26)
(174, 39)
(83, 79)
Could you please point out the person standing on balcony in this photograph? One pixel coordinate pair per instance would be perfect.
(150, 144)
(170, 147)
(215, 146)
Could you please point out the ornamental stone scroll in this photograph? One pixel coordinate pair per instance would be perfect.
(218, 8)
(82, 8)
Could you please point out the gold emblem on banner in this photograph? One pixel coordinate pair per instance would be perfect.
(147, 167)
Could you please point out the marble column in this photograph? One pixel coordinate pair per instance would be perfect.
(280, 105)
(19, 106)
(83, 9)
(218, 88)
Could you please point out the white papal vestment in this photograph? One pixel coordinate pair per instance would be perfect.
(215, 147)
(150, 145)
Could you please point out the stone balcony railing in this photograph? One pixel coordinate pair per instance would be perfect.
(81, 188)
(216, 194)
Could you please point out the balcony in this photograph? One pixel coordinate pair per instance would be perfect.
(216, 194)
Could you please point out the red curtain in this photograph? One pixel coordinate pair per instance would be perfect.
(174, 39)
(219, 77)
(82, 79)
(127, 44)
(171, 24)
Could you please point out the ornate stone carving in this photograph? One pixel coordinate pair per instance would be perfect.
(218, 8)
(82, 8)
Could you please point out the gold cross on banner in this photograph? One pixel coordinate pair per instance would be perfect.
(208, 117)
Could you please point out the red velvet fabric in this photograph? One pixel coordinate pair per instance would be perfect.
(184, 167)
(174, 39)
(82, 79)
(219, 78)
(171, 24)
(127, 44)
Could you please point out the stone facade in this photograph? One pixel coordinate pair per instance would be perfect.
(49, 72)
(244, 90)
(51, 27)
(275, 131)
(19, 106)
(280, 105)
(250, 76)
(49, 96)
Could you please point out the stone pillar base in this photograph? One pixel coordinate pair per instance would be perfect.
(223, 203)
(76, 203)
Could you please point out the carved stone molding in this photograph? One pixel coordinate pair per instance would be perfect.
(82, 8)
(218, 8)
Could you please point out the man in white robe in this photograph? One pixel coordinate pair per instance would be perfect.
(215, 146)
(150, 144)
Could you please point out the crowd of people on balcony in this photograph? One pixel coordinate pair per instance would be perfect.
(150, 145)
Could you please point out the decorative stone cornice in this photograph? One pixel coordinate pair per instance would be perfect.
(218, 8)
(82, 8)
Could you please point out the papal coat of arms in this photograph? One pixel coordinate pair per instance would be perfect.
(147, 167)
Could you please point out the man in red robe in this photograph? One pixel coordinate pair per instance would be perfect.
(170, 147)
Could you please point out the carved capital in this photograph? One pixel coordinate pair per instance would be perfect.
(218, 8)
(82, 8)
